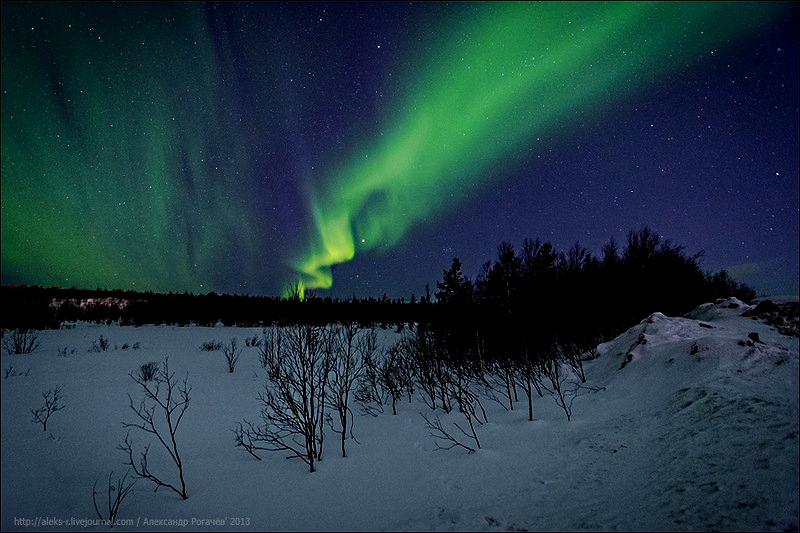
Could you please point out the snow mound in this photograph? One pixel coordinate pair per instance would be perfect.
(726, 328)
(724, 308)
(707, 409)
(657, 333)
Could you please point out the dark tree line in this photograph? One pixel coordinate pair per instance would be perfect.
(601, 296)
(534, 314)
(648, 274)
(48, 307)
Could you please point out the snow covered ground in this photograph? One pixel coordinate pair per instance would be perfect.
(695, 427)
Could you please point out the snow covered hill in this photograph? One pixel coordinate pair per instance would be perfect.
(713, 418)
(684, 423)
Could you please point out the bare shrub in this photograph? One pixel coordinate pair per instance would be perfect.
(528, 375)
(232, 353)
(469, 403)
(293, 398)
(120, 491)
(350, 345)
(444, 439)
(170, 398)
(252, 342)
(51, 404)
(100, 345)
(502, 374)
(368, 391)
(10, 371)
(148, 371)
(492, 387)
(20, 341)
(66, 350)
(270, 344)
(427, 356)
(562, 390)
(211, 346)
(391, 376)
(551, 368)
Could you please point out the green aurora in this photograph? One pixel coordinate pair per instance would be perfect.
(115, 154)
(128, 151)
(514, 72)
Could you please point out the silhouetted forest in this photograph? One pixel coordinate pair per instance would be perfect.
(535, 305)
(536, 291)
(49, 307)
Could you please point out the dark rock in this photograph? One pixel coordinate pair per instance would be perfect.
(786, 316)
(765, 309)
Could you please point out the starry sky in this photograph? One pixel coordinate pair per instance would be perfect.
(356, 148)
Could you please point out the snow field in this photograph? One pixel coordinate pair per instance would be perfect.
(698, 431)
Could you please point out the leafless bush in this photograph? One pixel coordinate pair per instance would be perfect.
(551, 368)
(563, 391)
(12, 372)
(293, 397)
(390, 375)
(232, 353)
(425, 354)
(502, 374)
(441, 435)
(120, 490)
(574, 356)
(100, 345)
(170, 398)
(528, 375)
(491, 388)
(469, 403)
(252, 342)
(147, 371)
(63, 352)
(270, 344)
(368, 390)
(557, 370)
(20, 341)
(248, 436)
(211, 346)
(51, 404)
(405, 370)
(350, 345)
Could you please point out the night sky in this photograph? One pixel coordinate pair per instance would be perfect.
(243, 147)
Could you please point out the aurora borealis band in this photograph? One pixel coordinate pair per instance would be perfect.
(245, 147)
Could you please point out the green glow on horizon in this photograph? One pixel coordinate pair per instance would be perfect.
(513, 72)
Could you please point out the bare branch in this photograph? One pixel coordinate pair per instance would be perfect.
(51, 405)
(297, 364)
(441, 435)
(172, 400)
(121, 490)
(232, 353)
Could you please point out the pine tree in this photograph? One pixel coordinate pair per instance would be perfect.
(454, 288)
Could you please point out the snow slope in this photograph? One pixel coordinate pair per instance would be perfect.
(690, 425)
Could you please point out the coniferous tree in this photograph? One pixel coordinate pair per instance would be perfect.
(456, 327)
